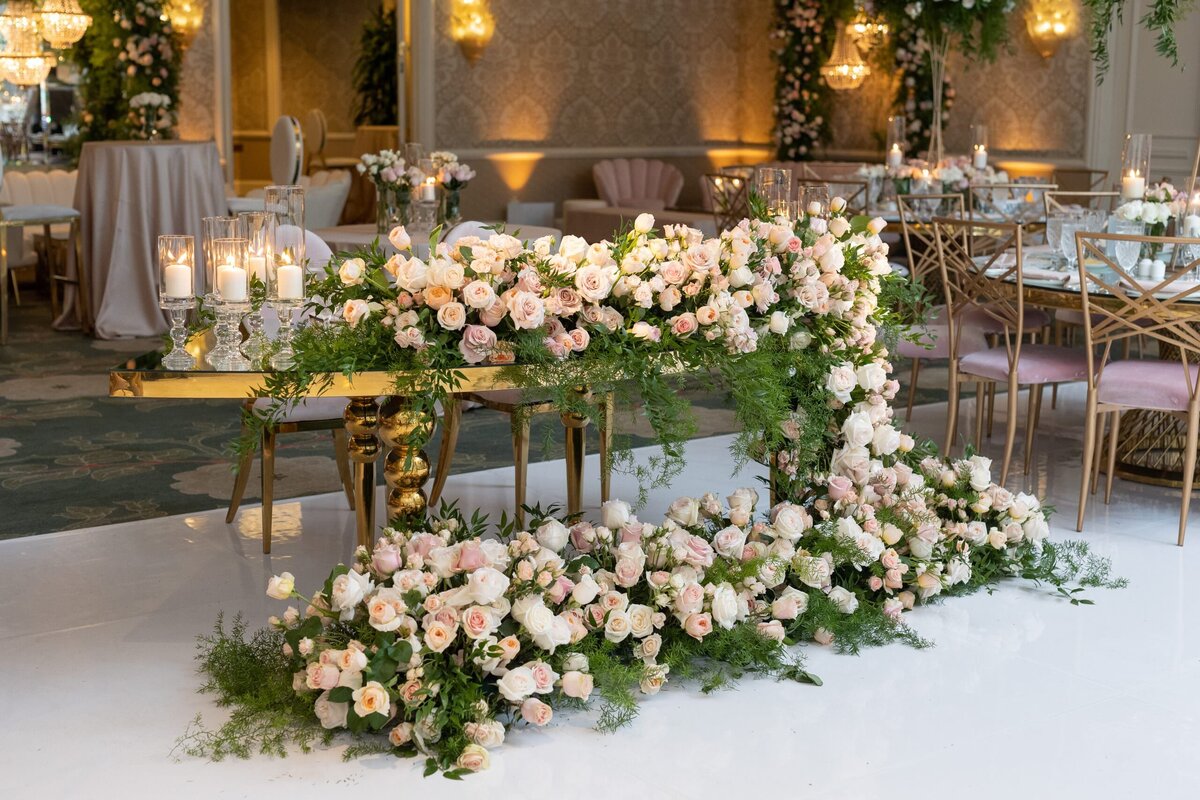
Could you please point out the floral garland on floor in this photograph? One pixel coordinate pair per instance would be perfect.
(445, 636)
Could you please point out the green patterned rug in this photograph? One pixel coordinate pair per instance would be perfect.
(71, 457)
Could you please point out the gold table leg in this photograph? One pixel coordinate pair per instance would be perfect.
(574, 425)
(405, 430)
(362, 424)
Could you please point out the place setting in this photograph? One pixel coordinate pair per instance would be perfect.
(458, 397)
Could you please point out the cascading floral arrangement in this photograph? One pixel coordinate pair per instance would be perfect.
(446, 635)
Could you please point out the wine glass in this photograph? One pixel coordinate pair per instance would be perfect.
(1126, 253)
(1054, 223)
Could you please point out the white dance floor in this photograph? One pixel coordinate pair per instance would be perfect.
(1022, 696)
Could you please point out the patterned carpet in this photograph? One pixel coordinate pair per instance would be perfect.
(72, 457)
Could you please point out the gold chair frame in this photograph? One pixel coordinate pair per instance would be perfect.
(1122, 310)
(979, 194)
(731, 199)
(1093, 179)
(1053, 201)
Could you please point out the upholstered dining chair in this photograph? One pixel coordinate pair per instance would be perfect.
(637, 182)
(520, 409)
(39, 200)
(1117, 307)
(1079, 179)
(311, 414)
(994, 284)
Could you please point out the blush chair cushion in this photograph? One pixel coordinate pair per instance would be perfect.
(1035, 319)
(1160, 385)
(1039, 363)
(936, 335)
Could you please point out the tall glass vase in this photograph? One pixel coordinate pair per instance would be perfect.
(939, 51)
(391, 207)
(451, 207)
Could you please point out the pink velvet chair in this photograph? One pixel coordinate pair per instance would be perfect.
(647, 184)
(1118, 307)
(993, 284)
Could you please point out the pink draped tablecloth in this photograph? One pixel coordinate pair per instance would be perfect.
(127, 194)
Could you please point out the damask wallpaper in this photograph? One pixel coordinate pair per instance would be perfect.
(608, 73)
(247, 30)
(197, 91)
(317, 52)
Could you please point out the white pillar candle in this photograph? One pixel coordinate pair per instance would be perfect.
(981, 157)
(895, 157)
(1133, 187)
(177, 281)
(289, 282)
(258, 267)
(428, 192)
(231, 283)
(1158, 270)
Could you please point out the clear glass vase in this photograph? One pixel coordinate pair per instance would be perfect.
(391, 207)
(451, 207)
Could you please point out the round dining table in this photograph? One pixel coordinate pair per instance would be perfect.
(128, 193)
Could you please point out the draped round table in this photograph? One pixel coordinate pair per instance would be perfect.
(128, 193)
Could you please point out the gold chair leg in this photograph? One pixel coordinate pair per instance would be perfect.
(451, 418)
(1101, 426)
(1189, 467)
(1031, 421)
(1113, 436)
(991, 408)
(952, 408)
(912, 388)
(4, 286)
(520, 443)
(48, 266)
(16, 287)
(1089, 446)
(980, 404)
(342, 456)
(606, 433)
(239, 485)
(1010, 423)
(268, 485)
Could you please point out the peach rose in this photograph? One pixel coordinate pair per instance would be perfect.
(535, 712)
(452, 316)
(698, 625)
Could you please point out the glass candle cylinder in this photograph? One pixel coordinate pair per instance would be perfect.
(287, 204)
(897, 141)
(285, 272)
(774, 186)
(1135, 165)
(213, 228)
(258, 229)
(233, 283)
(979, 146)
(176, 266)
(413, 153)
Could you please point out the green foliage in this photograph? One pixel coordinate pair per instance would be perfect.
(375, 71)
(868, 626)
(1160, 18)
(254, 679)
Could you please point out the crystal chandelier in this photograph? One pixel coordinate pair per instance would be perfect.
(63, 22)
(23, 61)
(18, 17)
(845, 68)
(868, 29)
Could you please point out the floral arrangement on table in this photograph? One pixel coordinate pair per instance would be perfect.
(154, 113)
(1161, 203)
(130, 49)
(394, 180)
(453, 176)
(446, 635)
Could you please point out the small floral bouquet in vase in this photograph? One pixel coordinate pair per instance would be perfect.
(151, 112)
(393, 180)
(453, 177)
(1154, 214)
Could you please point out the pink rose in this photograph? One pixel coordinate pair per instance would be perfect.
(839, 487)
(628, 571)
(493, 314)
(477, 622)
(646, 332)
(698, 626)
(535, 712)
(673, 272)
(470, 557)
(386, 559)
(567, 300)
(580, 339)
(561, 588)
(874, 583)
(771, 630)
(684, 325)
(477, 343)
(690, 598)
(321, 676)
(698, 552)
(577, 684)
(583, 537)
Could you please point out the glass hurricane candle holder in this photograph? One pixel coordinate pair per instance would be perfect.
(287, 204)
(213, 228)
(233, 301)
(897, 141)
(1135, 165)
(979, 146)
(774, 186)
(177, 294)
(285, 288)
(258, 229)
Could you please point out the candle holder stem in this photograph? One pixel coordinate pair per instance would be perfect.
(284, 355)
(229, 338)
(179, 358)
(257, 344)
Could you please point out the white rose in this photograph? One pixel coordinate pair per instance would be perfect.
(489, 733)
(871, 376)
(857, 430)
(730, 541)
(885, 441)
(517, 684)
(585, 590)
(789, 521)
(280, 587)
(576, 662)
(614, 514)
(617, 627)
(400, 238)
(981, 472)
(841, 381)
(331, 715)
(553, 535)
(348, 591)
(843, 599)
(685, 511)
(641, 620)
(725, 606)
(838, 225)
(352, 271)
(487, 585)
(744, 499)
(644, 223)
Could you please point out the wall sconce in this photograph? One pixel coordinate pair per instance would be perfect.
(472, 26)
(1049, 23)
(186, 16)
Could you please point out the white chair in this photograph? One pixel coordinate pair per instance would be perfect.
(29, 200)
(287, 162)
(325, 196)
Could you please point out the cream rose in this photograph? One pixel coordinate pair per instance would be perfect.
(372, 698)
(452, 316)
(352, 271)
(577, 684)
(280, 587)
(400, 238)
(331, 715)
(355, 311)
(517, 684)
(473, 758)
(617, 627)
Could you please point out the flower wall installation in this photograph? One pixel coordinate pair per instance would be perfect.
(131, 50)
(800, 42)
